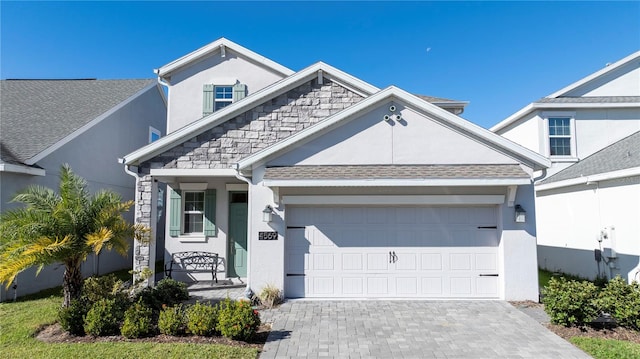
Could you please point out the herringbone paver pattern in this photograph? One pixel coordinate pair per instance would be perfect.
(409, 329)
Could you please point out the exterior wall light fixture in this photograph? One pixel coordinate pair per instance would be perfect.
(520, 214)
(267, 214)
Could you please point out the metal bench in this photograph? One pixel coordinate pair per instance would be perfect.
(193, 262)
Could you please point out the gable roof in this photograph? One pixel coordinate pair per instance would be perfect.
(215, 47)
(38, 114)
(558, 100)
(531, 158)
(240, 107)
(622, 155)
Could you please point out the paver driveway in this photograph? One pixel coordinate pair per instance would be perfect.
(409, 329)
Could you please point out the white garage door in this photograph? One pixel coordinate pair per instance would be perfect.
(386, 252)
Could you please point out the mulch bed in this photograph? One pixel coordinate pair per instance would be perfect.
(617, 333)
(55, 334)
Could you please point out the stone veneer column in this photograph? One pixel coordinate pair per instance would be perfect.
(144, 253)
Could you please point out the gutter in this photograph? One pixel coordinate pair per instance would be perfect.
(588, 180)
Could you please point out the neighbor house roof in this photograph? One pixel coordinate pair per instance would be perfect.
(622, 155)
(220, 45)
(558, 100)
(38, 114)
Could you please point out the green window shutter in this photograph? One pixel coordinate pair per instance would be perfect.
(176, 211)
(210, 213)
(207, 99)
(239, 92)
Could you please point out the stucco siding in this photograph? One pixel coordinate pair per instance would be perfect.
(368, 139)
(624, 81)
(526, 132)
(185, 91)
(574, 218)
(599, 128)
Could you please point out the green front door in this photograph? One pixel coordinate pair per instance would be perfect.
(237, 248)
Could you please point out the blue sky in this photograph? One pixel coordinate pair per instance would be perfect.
(500, 56)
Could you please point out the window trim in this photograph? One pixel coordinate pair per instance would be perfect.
(572, 136)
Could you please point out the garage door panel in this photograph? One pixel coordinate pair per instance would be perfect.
(440, 252)
(352, 262)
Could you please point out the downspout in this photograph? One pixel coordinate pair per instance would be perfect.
(135, 175)
(248, 292)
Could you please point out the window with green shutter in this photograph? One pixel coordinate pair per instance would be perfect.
(192, 212)
(215, 97)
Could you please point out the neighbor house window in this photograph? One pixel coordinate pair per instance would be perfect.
(560, 136)
(154, 134)
(193, 211)
(218, 96)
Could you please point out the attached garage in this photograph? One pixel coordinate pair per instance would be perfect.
(391, 252)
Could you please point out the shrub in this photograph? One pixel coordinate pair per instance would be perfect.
(570, 302)
(149, 298)
(171, 292)
(237, 320)
(202, 319)
(270, 296)
(103, 318)
(105, 287)
(71, 318)
(137, 321)
(172, 320)
(622, 301)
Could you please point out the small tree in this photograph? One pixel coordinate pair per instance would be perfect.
(63, 227)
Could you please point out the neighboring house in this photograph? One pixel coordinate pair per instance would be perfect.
(88, 124)
(326, 186)
(590, 197)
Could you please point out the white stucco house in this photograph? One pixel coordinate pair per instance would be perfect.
(328, 187)
(588, 202)
(86, 123)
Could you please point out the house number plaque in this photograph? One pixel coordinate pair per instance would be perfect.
(267, 236)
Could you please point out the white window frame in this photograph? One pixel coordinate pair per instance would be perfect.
(184, 212)
(216, 100)
(154, 131)
(572, 136)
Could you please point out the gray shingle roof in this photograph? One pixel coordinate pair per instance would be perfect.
(618, 156)
(35, 114)
(592, 99)
(436, 99)
(364, 172)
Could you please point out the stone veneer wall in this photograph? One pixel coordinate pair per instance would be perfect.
(254, 130)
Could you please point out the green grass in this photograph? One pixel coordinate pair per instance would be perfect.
(607, 348)
(544, 276)
(20, 321)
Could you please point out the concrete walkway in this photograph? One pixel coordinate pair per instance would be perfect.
(409, 329)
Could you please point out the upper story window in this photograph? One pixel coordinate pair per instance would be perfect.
(218, 96)
(223, 97)
(561, 136)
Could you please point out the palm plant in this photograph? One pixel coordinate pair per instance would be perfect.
(63, 227)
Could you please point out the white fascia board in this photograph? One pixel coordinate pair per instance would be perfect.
(557, 106)
(629, 172)
(596, 74)
(395, 200)
(239, 107)
(409, 99)
(87, 126)
(399, 182)
(12, 168)
(215, 47)
(206, 172)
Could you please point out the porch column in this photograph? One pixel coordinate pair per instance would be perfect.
(146, 208)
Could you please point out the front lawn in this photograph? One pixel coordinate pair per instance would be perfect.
(607, 348)
(21, 320)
